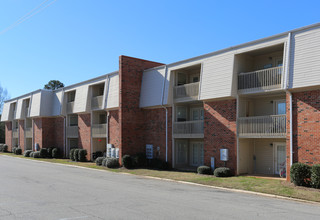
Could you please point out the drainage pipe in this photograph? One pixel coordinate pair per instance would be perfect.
(162, 97)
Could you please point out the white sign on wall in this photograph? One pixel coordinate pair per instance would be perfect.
(149, 151)
(224, 155)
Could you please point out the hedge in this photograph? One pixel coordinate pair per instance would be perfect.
(75, 154)
(49, 152)
(82, 153)
(18, 151)
(3, 148)
(300, 174)
(36, 154)
(104, 162)
(112, 163)
(71, 154)
(43, 152)
(315, 176)
(27, 153)
(204, 170)
(222, 172)
(127, 161)
(99, 161)
(55, 153)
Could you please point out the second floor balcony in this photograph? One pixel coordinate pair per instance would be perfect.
(270, 126)
(260, 80)
(99, 130)
(70, 107)
(15, 133)
(186, 92)
(28, 132)
(72, 131)
(188, 129)
(96, 102)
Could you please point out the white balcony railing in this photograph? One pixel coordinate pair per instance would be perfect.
(189, 91)
(262, 126)
(70, 107)
(72, 131)
(28, 132)
(99, 130)
(188, 127)
(15, 133)
(266, 79)
(96, 102)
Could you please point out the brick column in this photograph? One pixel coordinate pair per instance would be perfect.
(8, 130)
(84, 124)
(21, 135)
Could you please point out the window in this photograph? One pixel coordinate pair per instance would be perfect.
(197, 114)
(73, 120)
(280, 107)
(71, 96)
(181, 113)
(102, 118)
(182, 79)
(73, 143)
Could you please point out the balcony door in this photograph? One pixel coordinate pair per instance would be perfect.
(196, 154)
(280, 157)
(197, 114)
(182, 152)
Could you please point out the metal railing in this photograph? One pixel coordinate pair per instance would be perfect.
(266, 79)
(28, 132)
(262, 126)
(15, 133)
(188, 127)
(190, 90)
(70, 107)
(96, 102)
(99, 130)
(72, 131)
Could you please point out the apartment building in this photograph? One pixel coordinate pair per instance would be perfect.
(254, 108)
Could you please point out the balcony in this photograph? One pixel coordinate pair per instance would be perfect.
(186, 92)
(72, 131)
(96, 102)
(271, 126)
(99, 130)
(26, 112)
(188, 129)
(28, 132)
(15, 133)
(70, 107)
(260, 80)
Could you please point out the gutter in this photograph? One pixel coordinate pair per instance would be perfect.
(162, 97)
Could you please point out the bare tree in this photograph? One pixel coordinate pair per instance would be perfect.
(3, 97)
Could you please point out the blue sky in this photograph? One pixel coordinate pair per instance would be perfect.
(74, 40)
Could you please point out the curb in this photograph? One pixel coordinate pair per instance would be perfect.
(179, 181)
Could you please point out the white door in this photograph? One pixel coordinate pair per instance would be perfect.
(196, 154)
(280, 157)
(182, 152)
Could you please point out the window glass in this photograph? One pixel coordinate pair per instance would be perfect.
(73, 120)
(181, 113)
(281, 108)
(102, 119)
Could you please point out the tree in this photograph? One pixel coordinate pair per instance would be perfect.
(54, 84)
(3, 97)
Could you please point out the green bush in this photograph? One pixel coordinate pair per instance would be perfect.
(76, 154)
(27, 153)
(139, 160)
(159, 164)
(18, 151)
(99, 161)
(315, 176)
(31, 154)
(127, 161)
(3, 148)
(14, 150)
(222, 172)
(300, 174)
(49, 152)
(204, 170)
(82, 153)
(112, 163)
(55, 153)
(104, 162)
(43, 152)
(36, 154)
(71, 154)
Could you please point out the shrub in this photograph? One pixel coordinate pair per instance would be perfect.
(127, 161)
(159, 164)
(82, 153)
(98, 154)
(104, 162)
(55, 153)
(49, 152)
(14, 149)
(36, 154)
(139, 160)
(43, 152)
(222, 172)
(27, 153)
(75, 154)
(3, 148)
(112, 163)
(204, 170)
(31, 154)
(18, 151)
(315, 176)
(300, 174)
(99, 161)
(71, 154)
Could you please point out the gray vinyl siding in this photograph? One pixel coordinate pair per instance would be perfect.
(81, 99)
(35, 104)
(112, 96)
(5, 111)
(19, 109)
(305, 58)
(57, 102)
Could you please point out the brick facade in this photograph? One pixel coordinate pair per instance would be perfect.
(131, 117)
(220, 132)
(114, 128)
(21, 135)
(8, 130)
(84, 124)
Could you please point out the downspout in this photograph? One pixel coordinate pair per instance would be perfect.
(106, 93)
(64, 125)
(286, 86)
(162, 97)
(32, 127)
(107, 129)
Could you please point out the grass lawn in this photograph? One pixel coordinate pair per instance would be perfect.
(255, 184)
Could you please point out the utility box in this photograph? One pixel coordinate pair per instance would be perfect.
(117, 152)
(113, 152)
(224, 154)
(109, 147)
(149, 151)
(212, 163)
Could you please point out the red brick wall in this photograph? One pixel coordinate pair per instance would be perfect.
(21, 134)
(220, 132)
(131, 117)
(37, 132)
(288, 134)
(155, 131)
(114, 128)
(58, 134)
(84, 124)
(8, 128)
